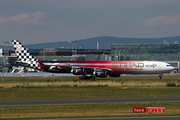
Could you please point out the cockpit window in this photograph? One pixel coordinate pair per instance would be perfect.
(168, 65)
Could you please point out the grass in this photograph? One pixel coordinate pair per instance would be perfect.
(71, 87)
(87, 110)
(130, 77)
(171, 84)
(101, 91)
(51, 81)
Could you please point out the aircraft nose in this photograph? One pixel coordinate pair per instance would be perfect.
(173, 68)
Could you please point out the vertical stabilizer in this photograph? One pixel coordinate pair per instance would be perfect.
(24, 55)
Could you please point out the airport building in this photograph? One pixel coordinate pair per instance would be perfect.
(118, 52)
(147, 52)
(55, 54)
(138, 52)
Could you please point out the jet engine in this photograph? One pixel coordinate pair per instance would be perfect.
(78, 71)
(100, 73)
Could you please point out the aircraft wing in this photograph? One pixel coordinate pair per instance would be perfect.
(18, 62)
(68, 66)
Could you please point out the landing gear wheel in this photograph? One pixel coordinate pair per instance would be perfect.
(85, 77)
(159, 77)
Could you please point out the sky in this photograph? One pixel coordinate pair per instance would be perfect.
(39, 21)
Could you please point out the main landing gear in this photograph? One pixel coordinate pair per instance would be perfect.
(160, 76)
(85, 77)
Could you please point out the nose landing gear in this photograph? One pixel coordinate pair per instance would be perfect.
(160, 76)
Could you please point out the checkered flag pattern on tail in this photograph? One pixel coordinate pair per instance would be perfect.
(24, 56)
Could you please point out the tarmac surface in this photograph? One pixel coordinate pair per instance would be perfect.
(87, 101)
(121, 118)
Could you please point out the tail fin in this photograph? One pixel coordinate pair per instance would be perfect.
(24, 55)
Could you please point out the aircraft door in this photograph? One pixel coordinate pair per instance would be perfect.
(160, 66)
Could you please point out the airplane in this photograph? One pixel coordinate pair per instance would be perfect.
(89, 69)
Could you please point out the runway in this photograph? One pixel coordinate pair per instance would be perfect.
(121, 118)
(87, 101)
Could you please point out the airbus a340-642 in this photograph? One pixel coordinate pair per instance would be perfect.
(89, 69)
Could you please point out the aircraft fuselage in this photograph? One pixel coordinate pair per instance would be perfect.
(114, 67)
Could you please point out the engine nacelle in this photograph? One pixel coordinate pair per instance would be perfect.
(78, 71)
(100, 73)
(115, 75)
